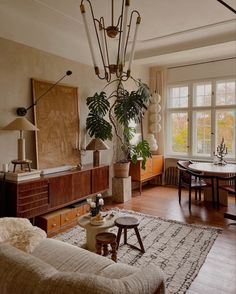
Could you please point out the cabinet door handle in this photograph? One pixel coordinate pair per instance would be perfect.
(66, 219)
(54, 225)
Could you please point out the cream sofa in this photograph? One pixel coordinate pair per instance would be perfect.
(30, 263)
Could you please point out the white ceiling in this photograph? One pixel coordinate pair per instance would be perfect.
(172, 32)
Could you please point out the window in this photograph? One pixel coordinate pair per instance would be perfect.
(179, 132)
(202, 133)
(202, 94)
(225, 128)
(225, 92)
(199, 115)
(178, 97)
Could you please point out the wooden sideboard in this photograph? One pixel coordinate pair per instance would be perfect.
(38, 196)
(154, 167)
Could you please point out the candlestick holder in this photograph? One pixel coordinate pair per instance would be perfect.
(221, 153)
(81, 153)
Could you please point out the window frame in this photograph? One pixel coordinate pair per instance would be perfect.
(190, 110)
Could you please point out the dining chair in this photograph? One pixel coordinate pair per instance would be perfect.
(184, 178)
(193, 180)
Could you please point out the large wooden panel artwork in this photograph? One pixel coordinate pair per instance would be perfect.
(57, 117)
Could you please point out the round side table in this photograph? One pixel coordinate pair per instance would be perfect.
(92, 230)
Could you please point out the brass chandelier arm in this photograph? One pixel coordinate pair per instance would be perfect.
(138, 21)
(102, 44)
(112, 12)
(129, 26)
(120, 53)
(82, 9)
(105, 58)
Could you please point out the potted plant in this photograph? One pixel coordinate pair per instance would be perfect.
(122, 107)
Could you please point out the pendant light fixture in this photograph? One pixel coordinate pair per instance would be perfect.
(119, 29)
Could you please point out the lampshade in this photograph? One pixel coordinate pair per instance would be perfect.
(97, 144)
(20, 124)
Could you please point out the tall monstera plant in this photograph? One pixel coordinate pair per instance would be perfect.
(104, 116)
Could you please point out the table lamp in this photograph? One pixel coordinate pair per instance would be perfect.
(21, 124)
(96, 145)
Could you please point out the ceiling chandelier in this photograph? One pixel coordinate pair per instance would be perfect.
(121, 30)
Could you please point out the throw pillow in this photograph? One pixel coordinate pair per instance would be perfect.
(27, 240)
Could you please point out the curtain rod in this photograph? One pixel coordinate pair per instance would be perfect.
(205, 62)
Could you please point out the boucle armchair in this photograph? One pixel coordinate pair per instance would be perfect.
(56, 267)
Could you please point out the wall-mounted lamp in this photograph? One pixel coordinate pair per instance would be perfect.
(21, 111)
(96, 145)
(227, 6)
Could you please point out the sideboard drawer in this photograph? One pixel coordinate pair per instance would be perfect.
(50, 222)
(61, 219)
(68, 216)
(53, 223)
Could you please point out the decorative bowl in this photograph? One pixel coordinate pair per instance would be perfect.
(95, 222)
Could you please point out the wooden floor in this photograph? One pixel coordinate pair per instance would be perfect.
(218, 273)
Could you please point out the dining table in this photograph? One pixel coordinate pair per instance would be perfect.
(214, 170)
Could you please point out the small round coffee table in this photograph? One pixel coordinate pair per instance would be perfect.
(92, 230)
(127, 222)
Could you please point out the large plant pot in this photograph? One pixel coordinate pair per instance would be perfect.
(121, 170)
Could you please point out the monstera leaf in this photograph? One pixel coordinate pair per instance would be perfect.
(98, 127)
(142, 149)
(98, 104)
(96, 124)
(130, 107)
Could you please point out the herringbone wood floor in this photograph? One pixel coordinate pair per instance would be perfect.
(218, 274)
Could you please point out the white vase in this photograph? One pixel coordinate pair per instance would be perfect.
(152, 142)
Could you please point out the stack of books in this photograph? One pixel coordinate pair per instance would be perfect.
(23, 175)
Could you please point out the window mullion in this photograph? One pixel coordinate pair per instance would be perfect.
(213, 118)
(190, 119)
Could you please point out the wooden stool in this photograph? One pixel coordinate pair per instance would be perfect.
(102, 242)
(22, 163)
(125, 223)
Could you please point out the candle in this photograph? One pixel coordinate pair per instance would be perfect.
(5, 167)
(84, 140)
(85, 143)
(76, 140)
(79, 140)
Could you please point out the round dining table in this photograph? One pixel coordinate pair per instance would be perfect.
(214, 170)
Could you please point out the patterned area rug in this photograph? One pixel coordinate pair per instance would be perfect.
(178, 249)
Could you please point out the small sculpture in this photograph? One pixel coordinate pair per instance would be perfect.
(222, 151)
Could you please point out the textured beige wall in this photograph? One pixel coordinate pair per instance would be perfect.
(19, 63)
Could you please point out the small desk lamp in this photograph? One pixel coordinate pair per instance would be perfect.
(96, 145)
(21, 124)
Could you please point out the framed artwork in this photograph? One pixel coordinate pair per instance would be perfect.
(57, 117)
